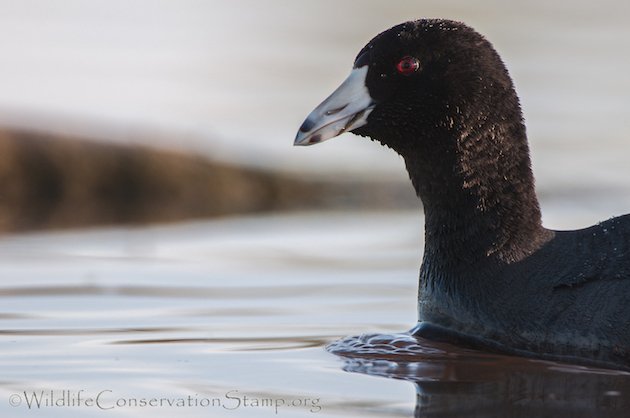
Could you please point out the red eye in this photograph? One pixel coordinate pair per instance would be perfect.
(408, 65)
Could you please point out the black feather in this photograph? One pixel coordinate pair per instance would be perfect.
(492, 276)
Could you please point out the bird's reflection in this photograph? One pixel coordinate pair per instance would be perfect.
(455, 382)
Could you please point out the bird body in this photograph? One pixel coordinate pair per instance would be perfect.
(492, 277)
(569, 300)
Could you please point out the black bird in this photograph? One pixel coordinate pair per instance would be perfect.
(492, 277)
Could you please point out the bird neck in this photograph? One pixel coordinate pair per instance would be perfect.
(477, 189)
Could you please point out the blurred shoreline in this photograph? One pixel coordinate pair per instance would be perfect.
(49, 181)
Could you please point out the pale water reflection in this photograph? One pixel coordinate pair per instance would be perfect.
(203, 309)
(230, 318)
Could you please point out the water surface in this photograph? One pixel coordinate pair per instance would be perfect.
(238, 311)
(244, 307)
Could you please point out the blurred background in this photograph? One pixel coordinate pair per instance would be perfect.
(146, 111)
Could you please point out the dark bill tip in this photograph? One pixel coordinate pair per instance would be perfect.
(307, 125)
(345, 109)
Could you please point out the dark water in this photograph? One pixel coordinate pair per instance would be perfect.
(451, 381)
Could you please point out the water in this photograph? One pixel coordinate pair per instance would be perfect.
(237, 312)
(203, 309)
(216, 311)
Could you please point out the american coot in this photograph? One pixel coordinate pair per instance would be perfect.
(492, 277)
